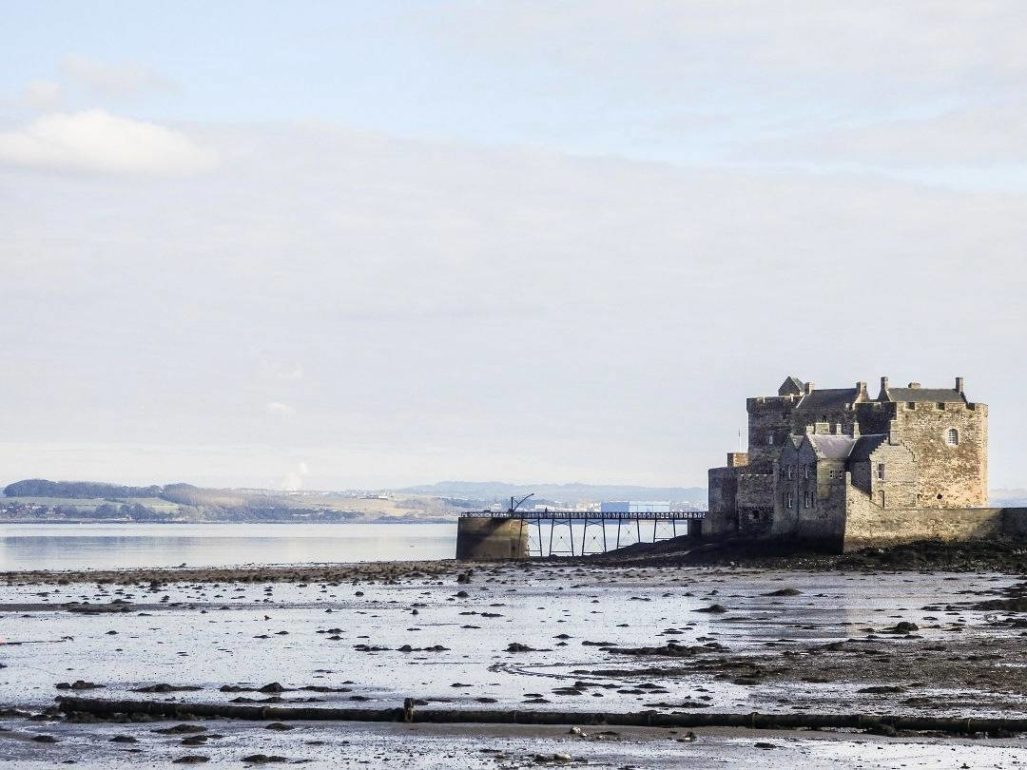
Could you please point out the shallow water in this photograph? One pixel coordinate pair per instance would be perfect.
(131, 545)
(210, 634)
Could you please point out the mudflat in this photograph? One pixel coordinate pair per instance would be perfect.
(852, 634)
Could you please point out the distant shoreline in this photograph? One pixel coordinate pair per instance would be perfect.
(383, 520)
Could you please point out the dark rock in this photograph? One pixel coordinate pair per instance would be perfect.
(715, 609)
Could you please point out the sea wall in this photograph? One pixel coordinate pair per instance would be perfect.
(488, 539)
(869, 525)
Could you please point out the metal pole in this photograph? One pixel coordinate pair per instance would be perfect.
(552, 526)
(602, 523)
(619, 522)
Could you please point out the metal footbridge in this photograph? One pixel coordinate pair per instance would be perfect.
(579, 533)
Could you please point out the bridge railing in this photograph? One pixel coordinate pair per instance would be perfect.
(589, 515)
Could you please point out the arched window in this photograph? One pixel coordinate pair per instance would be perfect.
(770, 439)
(952, 437)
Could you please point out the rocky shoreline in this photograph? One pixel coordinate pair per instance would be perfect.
(1006, 557)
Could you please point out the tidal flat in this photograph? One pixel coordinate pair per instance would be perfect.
(540, 636)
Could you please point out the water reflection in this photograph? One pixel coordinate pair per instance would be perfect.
(110, 546)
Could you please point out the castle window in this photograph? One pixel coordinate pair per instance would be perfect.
(952, 437)
(806, 499)
(880, 471)
(911, 405)
(805, 471)
(791, 502)
(770, 439)
(791, 471)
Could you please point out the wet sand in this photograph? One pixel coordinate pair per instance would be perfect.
(563, 636)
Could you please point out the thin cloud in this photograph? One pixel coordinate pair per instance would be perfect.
(97, 142)
(43, 95)
(278, 409)
(112, 80)
(984, 135)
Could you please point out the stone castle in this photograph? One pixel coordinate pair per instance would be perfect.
(838, 469)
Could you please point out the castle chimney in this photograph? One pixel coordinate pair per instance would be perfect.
(884, 384)
(810, 387)
(959, 385)
(855, 430)
(836, 429)
(914, 386)
(861, 391)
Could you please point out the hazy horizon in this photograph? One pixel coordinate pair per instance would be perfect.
(375, 245)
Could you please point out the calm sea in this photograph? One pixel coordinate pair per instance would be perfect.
(112, 546)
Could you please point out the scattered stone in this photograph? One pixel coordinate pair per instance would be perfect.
(264, 759)
(715, 609)
(181, 729)
(164, 687)
(78, 684)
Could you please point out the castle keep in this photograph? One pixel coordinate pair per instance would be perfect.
(839, 469)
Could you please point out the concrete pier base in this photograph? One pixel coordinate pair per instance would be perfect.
(487, 539)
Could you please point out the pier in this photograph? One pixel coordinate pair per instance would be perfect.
(543, 533)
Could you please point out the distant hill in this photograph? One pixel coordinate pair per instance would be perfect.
(45, 500)
(76, 490)
(488, 491)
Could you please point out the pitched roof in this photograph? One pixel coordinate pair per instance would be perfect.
(828, 398)
(865, 445)
(791, 386)
(831, 447)
(941, 395)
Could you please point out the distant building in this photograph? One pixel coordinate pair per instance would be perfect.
(630, 506)
(842, 469)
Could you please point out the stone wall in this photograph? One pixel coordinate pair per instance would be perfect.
(488, 539)
(721, 518)
(755, 503)
(868, 524)
(947, 476)
(1014, 522)
(898, 487)
(769, 417)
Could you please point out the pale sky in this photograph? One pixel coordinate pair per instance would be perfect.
(368, 244)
